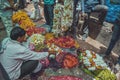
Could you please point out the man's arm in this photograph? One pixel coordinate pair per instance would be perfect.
(27, 54)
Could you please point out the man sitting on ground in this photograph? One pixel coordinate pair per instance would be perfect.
(18, 60)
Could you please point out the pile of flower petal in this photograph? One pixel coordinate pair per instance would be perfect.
(22, 19)
(35, 30)
(67, 60)
(64, 42)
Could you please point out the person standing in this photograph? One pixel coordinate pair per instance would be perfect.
(22, 4)
(88, 5)
(6, 11)
(98, 6)
(48, 12)
(75, 18)
(115, 36)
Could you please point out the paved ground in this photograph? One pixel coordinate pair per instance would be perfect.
(98, 40)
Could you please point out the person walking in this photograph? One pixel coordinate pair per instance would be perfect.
(115, 37)
(87, 7)
(48, 12)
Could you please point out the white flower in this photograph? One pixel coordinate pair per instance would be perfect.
(89, 55)
(92, 68)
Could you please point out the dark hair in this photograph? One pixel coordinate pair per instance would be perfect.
(17, 32)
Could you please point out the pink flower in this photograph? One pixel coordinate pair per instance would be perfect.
(31, 46)
(44, 62)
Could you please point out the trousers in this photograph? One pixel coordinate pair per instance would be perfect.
(28, 67)
(115, 35)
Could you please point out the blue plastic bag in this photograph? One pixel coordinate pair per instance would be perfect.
(112, 11)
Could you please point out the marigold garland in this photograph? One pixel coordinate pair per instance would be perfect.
(22, 19)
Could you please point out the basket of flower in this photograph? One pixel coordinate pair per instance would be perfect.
(91, 60)
(36, 42)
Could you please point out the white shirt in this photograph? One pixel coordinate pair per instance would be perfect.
(13, 56)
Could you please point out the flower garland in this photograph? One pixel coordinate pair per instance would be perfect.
(22, 19)
(91, 60)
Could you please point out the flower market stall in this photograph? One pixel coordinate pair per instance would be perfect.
(67, 59)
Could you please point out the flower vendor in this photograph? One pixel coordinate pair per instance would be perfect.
(18, 60)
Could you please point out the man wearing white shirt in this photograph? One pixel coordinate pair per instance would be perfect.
(18, 60)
